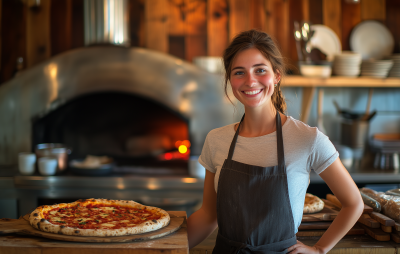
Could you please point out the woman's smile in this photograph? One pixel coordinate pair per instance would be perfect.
(252, 93)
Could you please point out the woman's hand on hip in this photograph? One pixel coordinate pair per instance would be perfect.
(300, 247)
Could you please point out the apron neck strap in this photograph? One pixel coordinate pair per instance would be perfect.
(279, 139)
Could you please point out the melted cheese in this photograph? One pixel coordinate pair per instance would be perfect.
(82, 219)
(53, 212)
(107, 225)
(107, 208)
(56, 219)
(124, 221)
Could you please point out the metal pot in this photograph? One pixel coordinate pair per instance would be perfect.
(58, 151)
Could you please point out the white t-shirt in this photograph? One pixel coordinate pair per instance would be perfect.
(305, 148)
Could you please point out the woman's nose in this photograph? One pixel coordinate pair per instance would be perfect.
(251, 80)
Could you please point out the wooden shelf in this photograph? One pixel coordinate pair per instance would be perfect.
(310, 85)
(300, 81)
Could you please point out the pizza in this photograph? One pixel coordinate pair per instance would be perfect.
(98, 217)
(312, 204)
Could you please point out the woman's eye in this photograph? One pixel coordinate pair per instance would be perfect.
(239, 73)
(260, 71)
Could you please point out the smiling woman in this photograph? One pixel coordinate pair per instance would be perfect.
(258, 170)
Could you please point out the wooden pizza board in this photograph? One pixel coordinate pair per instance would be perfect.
(327, 214)
(21, 226)
(355, 230)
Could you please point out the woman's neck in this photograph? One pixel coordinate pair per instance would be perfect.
(259, 121)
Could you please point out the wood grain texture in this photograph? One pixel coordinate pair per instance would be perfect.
(396, 226)
(315, 12)
(136, 23)
(195, 29)
(314, 225)
(294, 15)
(239, 12)
(38, 41)
(173, 243)
(387, 229)
(382, 219)
(393, 21)
(257, 15)
(13, 37)
(176, 17)
(351, 16)
(368, 221)
(356, 230)
(78, 39)
(60, 26)
(376, 233)
(217, 27)
(280, 22)
(373, 9)
(156, 18)
(332, 17)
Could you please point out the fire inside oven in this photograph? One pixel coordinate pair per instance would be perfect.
(139, 134)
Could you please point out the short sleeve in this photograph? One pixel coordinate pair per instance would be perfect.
(205, 158)
(323, 153)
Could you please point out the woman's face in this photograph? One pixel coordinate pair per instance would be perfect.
(252, 78)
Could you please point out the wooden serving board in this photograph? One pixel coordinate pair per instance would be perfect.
(21, 226)
(327, 214)
(356, 230)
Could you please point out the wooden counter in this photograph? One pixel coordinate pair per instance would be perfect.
(356, 244)
(175, 243)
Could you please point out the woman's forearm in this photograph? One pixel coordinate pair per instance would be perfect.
(344, 221)
(199, 226)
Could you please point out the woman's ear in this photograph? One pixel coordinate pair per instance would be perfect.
(277, 77)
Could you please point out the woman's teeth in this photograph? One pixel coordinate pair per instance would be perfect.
(252, 92)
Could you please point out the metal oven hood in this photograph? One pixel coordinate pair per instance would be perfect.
(180, 86)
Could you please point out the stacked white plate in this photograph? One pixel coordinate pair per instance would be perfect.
(395, 71)
(347, 64)
(376, 68)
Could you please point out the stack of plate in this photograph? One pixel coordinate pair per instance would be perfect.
(376, 68)
(395, 71)
(347, 64)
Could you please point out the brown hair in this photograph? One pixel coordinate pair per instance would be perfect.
(266, 45)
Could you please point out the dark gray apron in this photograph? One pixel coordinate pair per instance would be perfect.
(253, 207)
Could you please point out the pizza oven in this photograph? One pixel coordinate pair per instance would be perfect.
(131, 104)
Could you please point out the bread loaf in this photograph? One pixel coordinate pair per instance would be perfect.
(390, 205)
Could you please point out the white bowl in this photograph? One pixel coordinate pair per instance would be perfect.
(322, 71)
(47, 166)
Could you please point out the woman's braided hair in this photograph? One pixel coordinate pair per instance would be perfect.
(266, 45)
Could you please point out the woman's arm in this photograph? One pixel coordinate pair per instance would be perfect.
(344, 188)
(204, 221)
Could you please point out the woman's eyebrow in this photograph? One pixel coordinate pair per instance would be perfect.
(240, 67)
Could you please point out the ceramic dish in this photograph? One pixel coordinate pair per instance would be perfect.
(372, 40)
(326, 40)
(104, 169)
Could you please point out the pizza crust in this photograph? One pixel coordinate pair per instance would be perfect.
(312, 204)
(38, 221)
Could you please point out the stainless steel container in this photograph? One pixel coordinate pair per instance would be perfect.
(354, 133)
(58, 151)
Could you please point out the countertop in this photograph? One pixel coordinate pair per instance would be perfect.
(353, 244)
(175, 243)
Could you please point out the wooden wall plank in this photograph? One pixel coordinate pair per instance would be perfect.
(156, 18)
(177, 16)
(195, 29)
(315, 11)
(280, 16)
(239, 12)
(269, 18)
(373, 9)
(351, 16)
(393, 21)
(295, 14)
(305, 9)
(136, 22)
(257, 15)
(332, 17)
(217, 27)
(38, 33)
(13, 44)
(60, 26)
(78, 36)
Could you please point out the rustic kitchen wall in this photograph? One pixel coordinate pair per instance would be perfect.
(190, 28)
